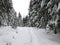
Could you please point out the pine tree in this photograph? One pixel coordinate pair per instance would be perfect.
(20, 21)
(26, 21)
(48, 9)
(5, 7)
(13, 22)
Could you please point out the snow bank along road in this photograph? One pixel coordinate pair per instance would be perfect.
(27, 36)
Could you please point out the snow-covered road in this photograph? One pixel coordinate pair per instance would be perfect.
(27, 36)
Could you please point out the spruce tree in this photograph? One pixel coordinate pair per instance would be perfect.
(48, 9)
(5, 7)
(20, 22)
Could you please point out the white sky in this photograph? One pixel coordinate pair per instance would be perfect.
(21, 6)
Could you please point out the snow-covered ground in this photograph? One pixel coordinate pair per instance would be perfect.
(27, 36)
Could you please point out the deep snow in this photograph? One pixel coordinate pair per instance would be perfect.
(27, 36)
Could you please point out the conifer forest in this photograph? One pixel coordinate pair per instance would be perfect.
(41, 26)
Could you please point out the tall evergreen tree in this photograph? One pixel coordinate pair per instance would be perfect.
(20, 21)
(43, 12)
(5, 7)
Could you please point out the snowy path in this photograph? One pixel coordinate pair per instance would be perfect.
(27, 36)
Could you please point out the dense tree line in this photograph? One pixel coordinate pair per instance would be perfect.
(43, 12)
(8, 16)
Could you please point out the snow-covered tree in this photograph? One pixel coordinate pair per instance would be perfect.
(7, 13)
(14, 21)
(26, 21)
(5, 7)
(43, 12)
(20, 21)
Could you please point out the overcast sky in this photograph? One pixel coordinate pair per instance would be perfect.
(21, 6)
